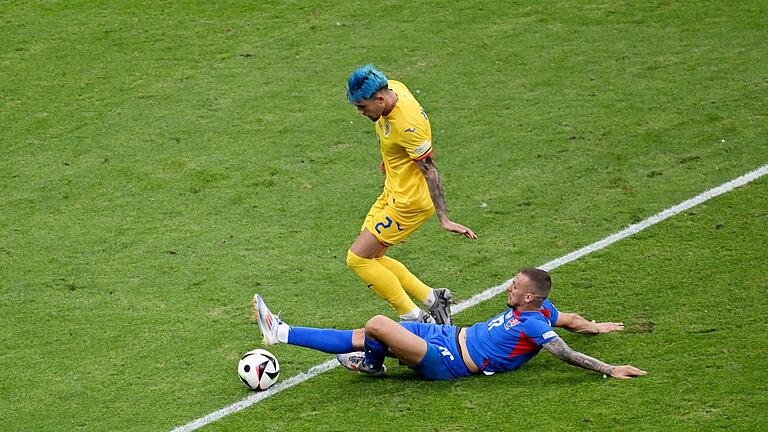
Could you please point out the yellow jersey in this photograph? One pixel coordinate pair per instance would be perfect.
(405, 136)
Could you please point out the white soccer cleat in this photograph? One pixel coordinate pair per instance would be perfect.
(268, 323)
(355, 361)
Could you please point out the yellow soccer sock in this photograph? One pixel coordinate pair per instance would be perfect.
(410, 283)
(382, 281)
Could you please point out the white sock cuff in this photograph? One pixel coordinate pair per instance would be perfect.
(430, 300)
(412, 315)
(282, 332)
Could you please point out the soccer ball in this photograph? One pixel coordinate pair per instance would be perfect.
(258, 369)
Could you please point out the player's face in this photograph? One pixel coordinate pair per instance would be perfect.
(371, 108)
(511, 291)
(516, 291)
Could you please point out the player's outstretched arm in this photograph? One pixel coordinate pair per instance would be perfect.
(427, 167)
(560, 349)
(576, 323)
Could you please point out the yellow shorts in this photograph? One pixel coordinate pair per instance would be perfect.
(391, 226)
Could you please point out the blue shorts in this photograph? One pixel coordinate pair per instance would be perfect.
(443, 359)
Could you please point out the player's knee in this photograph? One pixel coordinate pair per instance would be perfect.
(376, 325)
(353, 260)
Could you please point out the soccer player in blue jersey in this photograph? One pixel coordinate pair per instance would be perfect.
(412, 194)
(443, 352)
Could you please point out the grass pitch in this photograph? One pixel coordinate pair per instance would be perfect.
(162, 161)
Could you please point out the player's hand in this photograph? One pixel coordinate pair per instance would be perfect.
(382, 168)
(458, 228)
(607, 327)
(627, 372)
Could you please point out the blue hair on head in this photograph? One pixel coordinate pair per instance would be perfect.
(364, 82)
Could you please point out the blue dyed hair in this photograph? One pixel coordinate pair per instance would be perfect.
(364, 82)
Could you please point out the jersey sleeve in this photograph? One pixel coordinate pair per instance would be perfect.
(553, 312)
(540, 332)
(416, 138)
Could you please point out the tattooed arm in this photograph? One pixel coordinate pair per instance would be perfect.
(560, 349)
(427, 167)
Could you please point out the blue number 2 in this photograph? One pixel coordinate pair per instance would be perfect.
(381, 225)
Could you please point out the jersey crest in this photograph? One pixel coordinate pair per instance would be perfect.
(510, 319)
(511, 323)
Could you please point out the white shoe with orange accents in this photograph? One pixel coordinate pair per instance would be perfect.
(268, 322)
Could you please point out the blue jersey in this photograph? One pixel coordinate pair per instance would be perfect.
(511, 338)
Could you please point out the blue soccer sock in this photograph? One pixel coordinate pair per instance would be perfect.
(375, 352)
(325, 340)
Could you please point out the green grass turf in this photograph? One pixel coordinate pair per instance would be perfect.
(162, 161)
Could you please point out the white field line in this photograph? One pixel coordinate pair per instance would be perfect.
(254, 398)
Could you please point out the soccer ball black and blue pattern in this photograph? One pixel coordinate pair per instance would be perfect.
(258, 369)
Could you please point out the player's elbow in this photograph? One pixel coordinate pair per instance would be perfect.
(429, 171)
(425, 167)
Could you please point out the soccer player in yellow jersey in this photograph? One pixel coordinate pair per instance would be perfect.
(412, 194)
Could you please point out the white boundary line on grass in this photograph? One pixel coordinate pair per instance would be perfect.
(489, 293)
